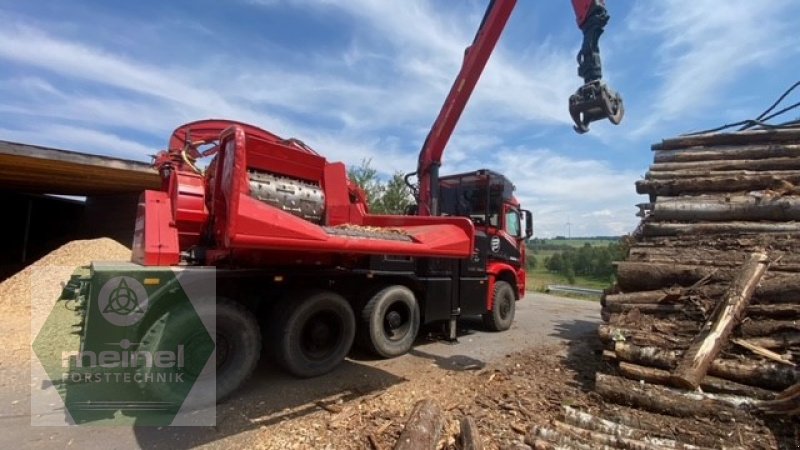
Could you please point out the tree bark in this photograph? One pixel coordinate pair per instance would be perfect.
(603, 439)
(634, 276)
(709, 384)
(717, 183)
(645, 297)
(780, 311)
(761, 328)
(777, 341)
(786, 260)
(608, 334)
(750, 372)
(639, 276)
(470, 437)
(423, 429)
(715, 334)
(735, 153)
(694, 174)
(662, 400)
(787, 135)
(707, 228)
(768, 164)
(726, 208)
(543, 438)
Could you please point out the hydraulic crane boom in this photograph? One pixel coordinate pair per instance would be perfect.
(475, 58)
(593, 101)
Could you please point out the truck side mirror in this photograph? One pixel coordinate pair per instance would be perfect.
(528, 223)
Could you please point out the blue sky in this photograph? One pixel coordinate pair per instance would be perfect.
(365, 78)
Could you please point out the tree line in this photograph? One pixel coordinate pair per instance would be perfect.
(588, 261)
(390, 196)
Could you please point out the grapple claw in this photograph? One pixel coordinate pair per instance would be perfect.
(595, 101)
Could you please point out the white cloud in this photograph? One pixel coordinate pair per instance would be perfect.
(705, 46)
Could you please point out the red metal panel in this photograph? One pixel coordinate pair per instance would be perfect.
(155, 238)
(337, 196)
(285, 160)
(189, 212)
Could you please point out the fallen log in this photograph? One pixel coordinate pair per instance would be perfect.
(716, 183)
(785, 311)
(610, 334)
(788, 135)
(785, 260)
(726, 208)
(470, 437)
(778, 163)
(543, 438)
(602, 439)
(645, 297)
(771, 292)
(694, 174)
(709, 384)
(761, 351)
(423, 428)
(715, 437)
(750, 372)
(734, 153)
(760, 328)
(638, 276)
(708, 228)
(663, 400)
(776, 341)
(634, 276)
(786, 403)
(649, 308)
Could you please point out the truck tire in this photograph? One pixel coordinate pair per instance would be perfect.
(238, 347)
(315, 331)
(500, 317)
(390, 322)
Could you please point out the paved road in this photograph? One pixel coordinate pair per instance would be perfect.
(540, 320)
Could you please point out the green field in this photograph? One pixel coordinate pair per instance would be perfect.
(540, 277)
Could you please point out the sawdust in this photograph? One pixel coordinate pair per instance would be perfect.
(45, 277)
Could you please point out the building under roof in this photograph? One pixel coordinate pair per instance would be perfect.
(104, 195)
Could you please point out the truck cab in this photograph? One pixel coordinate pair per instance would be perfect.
(501, 226)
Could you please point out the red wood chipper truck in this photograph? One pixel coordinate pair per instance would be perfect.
(302, 266)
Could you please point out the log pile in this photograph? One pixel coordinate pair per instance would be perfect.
(704, 319)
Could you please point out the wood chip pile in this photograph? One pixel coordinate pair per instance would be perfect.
(705, 317)
(45, 277)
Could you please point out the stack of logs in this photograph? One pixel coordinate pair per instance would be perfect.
(705, 316)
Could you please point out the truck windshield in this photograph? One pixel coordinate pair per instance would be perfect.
(471, 198)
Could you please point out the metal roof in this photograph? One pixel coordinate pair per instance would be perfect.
(35, 169)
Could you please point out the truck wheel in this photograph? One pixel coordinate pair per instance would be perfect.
(238, 348)
(390, 322)
(315, 332)
(502, 313)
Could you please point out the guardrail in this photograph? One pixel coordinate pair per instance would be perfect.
(574, 289)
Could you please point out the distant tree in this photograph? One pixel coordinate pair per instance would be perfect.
(366, 177)
(554, 263)
(395, 196)
(570, 274)
(530, 261)
(390, 197)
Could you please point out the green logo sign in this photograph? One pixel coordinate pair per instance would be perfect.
(129, 345)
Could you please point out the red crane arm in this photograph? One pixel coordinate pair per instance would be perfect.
(475, 59)
(585, 106)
